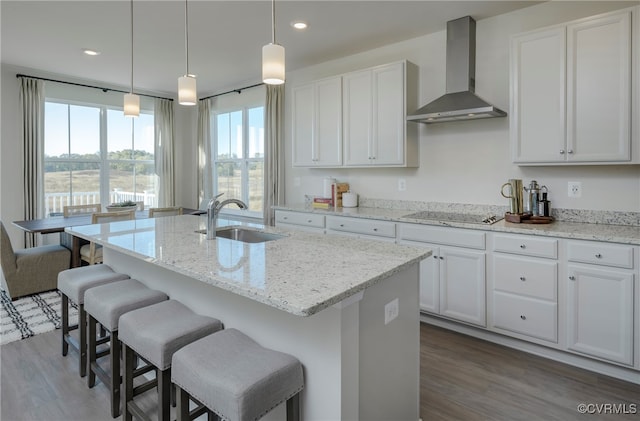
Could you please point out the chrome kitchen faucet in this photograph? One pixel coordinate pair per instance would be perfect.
(213, 210)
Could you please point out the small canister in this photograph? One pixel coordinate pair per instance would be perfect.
(349, 200)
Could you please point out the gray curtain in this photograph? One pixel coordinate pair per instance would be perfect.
(274, 152)
(32, 134)
(164, 148)
(205, 172)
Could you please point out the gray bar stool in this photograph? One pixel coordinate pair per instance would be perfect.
(73, 283)
(105, 304)
(154, 334)
(229, 374)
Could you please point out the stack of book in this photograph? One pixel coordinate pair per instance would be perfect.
(335, 200)
(322, 203)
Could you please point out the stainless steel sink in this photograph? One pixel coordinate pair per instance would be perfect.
(245, 235)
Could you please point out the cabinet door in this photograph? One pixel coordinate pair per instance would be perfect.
(328, 119)
(462, 285)
(357, 118)
(538, 96)
(317, 124)
(388, 115)
(303, 115)
(599, 89)
(600, 313)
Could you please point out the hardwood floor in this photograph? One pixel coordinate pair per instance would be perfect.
(462, 378)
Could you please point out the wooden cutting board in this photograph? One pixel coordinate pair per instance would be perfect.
(521, 218)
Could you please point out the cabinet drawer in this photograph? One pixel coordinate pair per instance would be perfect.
(440, 235)
(526, 245)
(300, 218)
(532, 277)
(527, 316)
(600, 254)
(362, 226)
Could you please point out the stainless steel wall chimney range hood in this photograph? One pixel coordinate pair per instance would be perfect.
(460, 102)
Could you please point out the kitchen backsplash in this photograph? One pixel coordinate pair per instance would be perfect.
(565, 215)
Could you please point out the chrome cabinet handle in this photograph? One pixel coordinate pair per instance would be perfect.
(522, 246)
(522, 278)
(375, 229)
(570, 151)
(435, 257)
(573, 278)
(441, 258)
(561, 151)
(309, 220)
(523, 317)
(599, 256)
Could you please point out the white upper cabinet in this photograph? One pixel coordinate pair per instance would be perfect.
(317, 123)
(368, 107)
(571, 97)
(374, 116)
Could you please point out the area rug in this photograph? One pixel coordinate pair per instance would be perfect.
(29, 316)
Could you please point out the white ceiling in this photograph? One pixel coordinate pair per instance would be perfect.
(225, 37)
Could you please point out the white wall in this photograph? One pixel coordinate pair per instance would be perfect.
(467, 162)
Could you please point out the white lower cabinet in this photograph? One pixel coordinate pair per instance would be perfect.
(300, 220)
(600, 301)
(452, 280)
(362, 228)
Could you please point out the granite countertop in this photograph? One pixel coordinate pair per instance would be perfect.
(624, 234)
(301, 273)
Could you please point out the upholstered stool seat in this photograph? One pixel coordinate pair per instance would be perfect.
(155, 333)
(105, 304)
(236, 378)
(73, 283)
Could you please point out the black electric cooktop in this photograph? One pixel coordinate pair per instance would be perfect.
(469, 218)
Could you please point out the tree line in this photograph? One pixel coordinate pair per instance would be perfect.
(82, 162)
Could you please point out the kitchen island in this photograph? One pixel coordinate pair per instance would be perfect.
(346, 308)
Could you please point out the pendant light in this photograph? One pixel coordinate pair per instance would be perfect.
(273, 56)
(131, 100)
(187, 92)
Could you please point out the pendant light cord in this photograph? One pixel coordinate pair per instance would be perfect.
(186, 35)
(273, 20)
(131, 46)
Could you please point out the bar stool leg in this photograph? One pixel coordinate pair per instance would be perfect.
(65, 324)
(164, 394)
(127, 395)
(293, 408)
(91, 352)
(115, 374)
(82, 326)
(182, 405)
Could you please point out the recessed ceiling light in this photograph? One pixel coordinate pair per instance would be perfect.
(90, 52)
(300, 25)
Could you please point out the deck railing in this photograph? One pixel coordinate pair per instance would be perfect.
(55, 202)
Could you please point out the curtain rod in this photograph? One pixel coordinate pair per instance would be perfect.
(90, 86)
(239, 90)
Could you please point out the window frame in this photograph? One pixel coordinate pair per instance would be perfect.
(103, 161)
(245, 160)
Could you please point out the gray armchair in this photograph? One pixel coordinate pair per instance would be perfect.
(31, 270)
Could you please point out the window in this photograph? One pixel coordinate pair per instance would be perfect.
(238, 155)
(93, 154)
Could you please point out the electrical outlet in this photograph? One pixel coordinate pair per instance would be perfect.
(575, 189)
(390, 311)
(402, 184)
